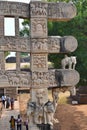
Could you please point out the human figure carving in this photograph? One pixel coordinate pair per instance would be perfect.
(70, 61)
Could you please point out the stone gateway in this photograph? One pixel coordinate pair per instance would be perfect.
(40, 109)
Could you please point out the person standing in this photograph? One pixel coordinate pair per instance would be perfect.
(3, 100)
(19, 123)
(7, 102)
(26, 123)
(12, 123)
(12, 103)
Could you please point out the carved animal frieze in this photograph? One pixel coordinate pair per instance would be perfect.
(9, 43)
(16, 79)
(38, 9)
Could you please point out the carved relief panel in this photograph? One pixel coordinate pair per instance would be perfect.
(52, 79)
(15, 44)
(39, 45)
(54, 44)
(38, 9)
(38, 28)
(14, 9)
(39, 62)
(15, 79)
(39, 95)
(40, 79)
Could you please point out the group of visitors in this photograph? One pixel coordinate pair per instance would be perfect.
(19, 123)
(7, 102)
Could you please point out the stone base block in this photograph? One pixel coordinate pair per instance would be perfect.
(82, 98)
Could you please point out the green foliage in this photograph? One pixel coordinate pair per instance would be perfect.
(7, 53)
(25, 30)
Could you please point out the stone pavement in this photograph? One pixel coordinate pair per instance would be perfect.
(6, 114)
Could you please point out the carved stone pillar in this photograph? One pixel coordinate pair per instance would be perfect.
(1, 25)
(17, 26)
(18, 61)
(2, 61)
(39, 62)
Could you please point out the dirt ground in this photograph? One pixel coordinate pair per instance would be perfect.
(71, 117)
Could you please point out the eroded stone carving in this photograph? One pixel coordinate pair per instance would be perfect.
(14, 79)
(38, 9)
(39, 62)
(40, 79)
(39, 27)
(54, 44)
(42, 111)
(39, 45)
(4, 80)
(35, 106)
(61, 10)
(15, 44)
(13, 8)
(70, 43)
(70, 61)
(68, 77)
(52, 81)
(55, 96)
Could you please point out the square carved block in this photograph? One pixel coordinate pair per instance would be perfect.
(39, 62)
(38, 28)
(40, 80)
(39, 45)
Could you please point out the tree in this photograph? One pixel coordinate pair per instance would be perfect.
(25, 31)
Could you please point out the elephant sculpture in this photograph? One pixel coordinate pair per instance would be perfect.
(69, 61)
